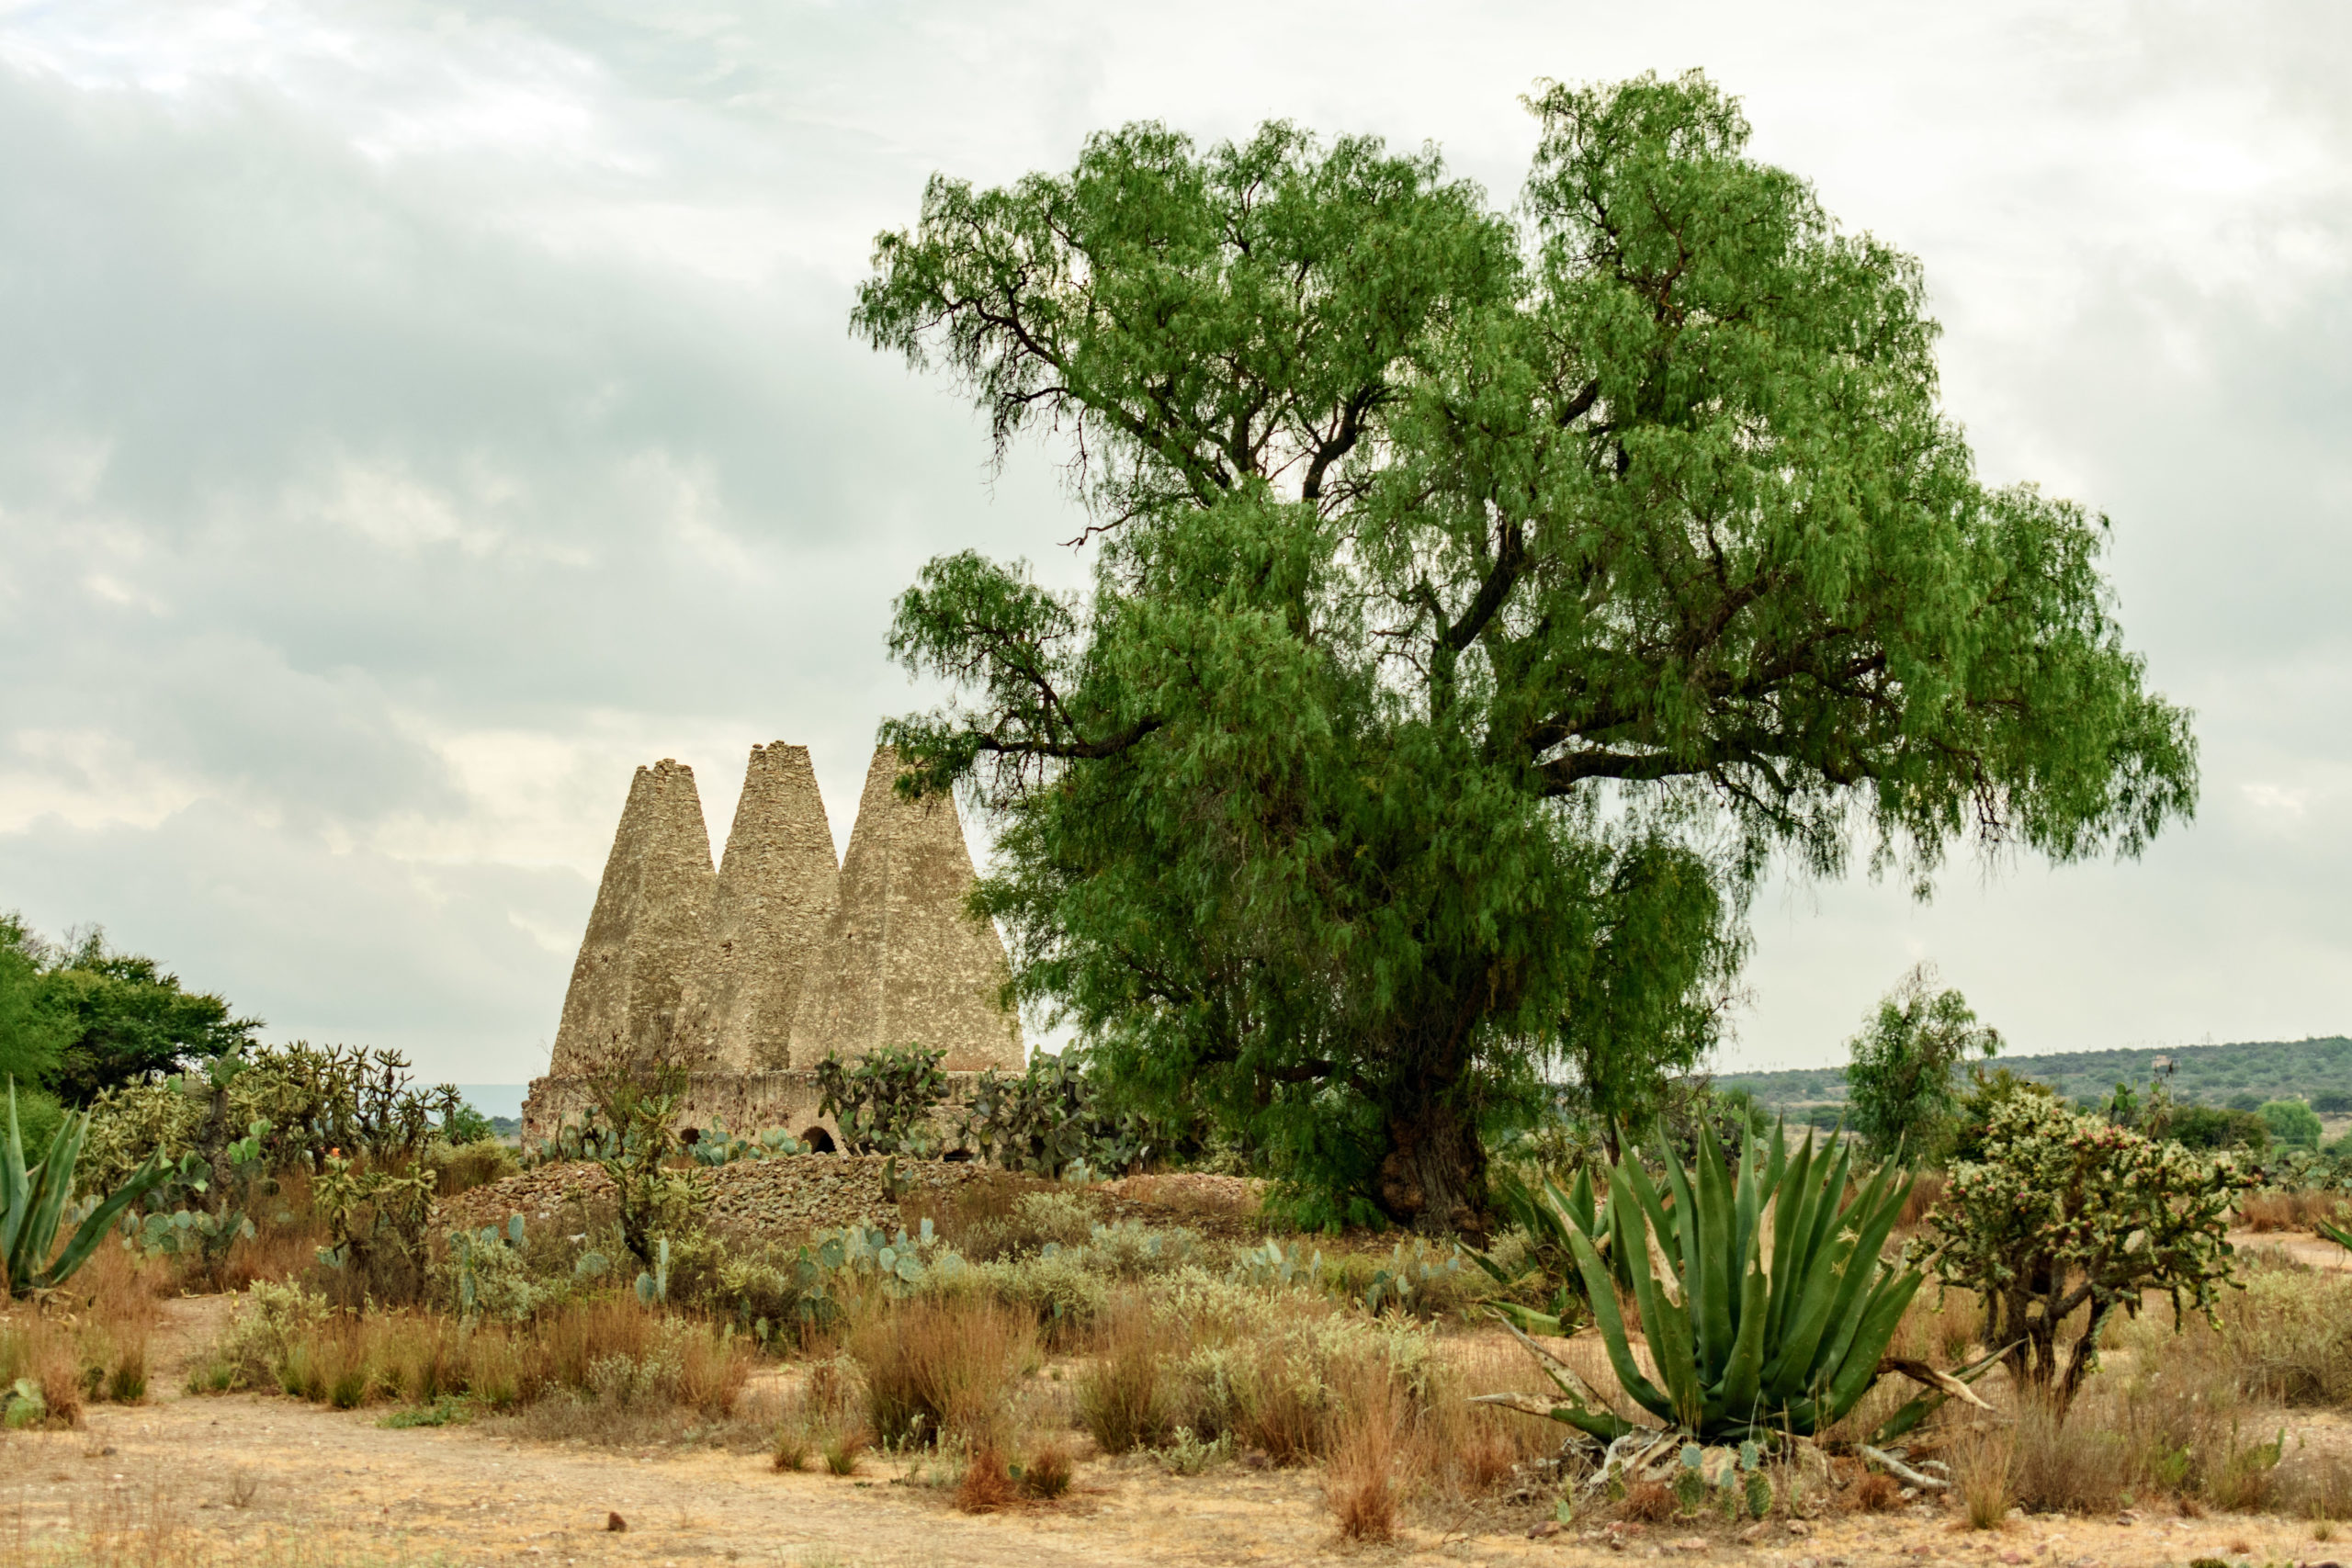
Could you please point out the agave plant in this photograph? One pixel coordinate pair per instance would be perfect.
(1753, 1330)
(2340, 1235)
(32, 1203)
(1549, 1216)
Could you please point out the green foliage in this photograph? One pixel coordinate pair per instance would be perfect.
(316, 1099)
(1477, 607)
(40, 1117)
(462, 1124)
(33, 1203)
(887, 1101)
(1053, 1115)
(1550, 1218)
(1412, 1274)
(1902, 1083)
(1747, 1340)
(487, 1276)
(2291, 1123)
(109, 1017)
(31, 1035)
(638, 1102)
(715, 1145)
(2318, 1070)
(375, 1222)
(2061, 1210)
(2206, 1128)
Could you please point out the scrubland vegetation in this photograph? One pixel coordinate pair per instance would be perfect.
(1007, 1347)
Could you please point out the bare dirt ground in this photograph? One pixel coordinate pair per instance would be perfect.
(257, 1481)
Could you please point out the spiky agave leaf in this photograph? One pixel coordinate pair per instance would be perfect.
(33, 1204)
(1748, 1337)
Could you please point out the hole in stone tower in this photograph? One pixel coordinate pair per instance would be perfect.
(819, 1140)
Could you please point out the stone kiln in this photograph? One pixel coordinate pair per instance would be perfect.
(752, 975)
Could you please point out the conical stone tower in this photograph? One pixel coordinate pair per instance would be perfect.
(902, 963)
(651, 916)
(776, 894)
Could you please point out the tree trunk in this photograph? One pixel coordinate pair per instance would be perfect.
(1434, 1178)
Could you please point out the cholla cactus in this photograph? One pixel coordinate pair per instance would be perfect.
(2064, 1210)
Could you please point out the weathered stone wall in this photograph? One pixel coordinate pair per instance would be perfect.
(777, 887)
(902, 962)
(652, 911)
(743, 1102)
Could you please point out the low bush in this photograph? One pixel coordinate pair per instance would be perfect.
(936, 1368)
(1128, 1393)
(606, 1353)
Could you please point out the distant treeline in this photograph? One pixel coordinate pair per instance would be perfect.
(2245, 1074)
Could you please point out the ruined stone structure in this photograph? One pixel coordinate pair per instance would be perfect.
(776, 896)
(901, 960)
(751, 976)
(652, 911)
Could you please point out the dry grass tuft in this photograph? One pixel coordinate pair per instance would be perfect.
(986, 1485)
(1359, 1480)
(1876, 1493)
(941, 1368)
(1982, 1462)
(1048, 1472)
(842, 1448)
(1125, 1394)
(1649, 1502)
(792, 1446)
(2074, 1465)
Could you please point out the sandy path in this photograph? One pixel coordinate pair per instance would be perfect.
(257, 1479)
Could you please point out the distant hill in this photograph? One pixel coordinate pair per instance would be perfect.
(2208, 1075)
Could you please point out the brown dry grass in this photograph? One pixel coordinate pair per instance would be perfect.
(575, 1367)
(2274, 1209)
(1649, 1502)
(941, 1368)
(1361, 1481)
(1126, 1393)
(1981, 1461)
(987, 1483)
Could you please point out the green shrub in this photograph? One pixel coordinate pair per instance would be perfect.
(886, 1101)
(2291, 1123)
(2066, 1212)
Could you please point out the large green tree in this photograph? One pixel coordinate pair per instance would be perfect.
(1479, 603)
(79, 1016)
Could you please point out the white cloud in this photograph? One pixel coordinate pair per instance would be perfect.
(411, 421)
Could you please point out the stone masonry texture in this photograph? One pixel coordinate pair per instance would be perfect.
(752, 974)
(902, 962)
(651, 918)
(777, 888)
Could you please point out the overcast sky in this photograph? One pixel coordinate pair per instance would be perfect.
(411, 419)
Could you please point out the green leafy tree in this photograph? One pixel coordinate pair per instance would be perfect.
(2292, 1124)
(122, 1017)
(1903, 1084)
(31, 1035)
(1477, 607)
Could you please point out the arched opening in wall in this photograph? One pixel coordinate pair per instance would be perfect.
(819, 1141)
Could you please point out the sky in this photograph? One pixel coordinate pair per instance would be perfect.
(413, 418)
